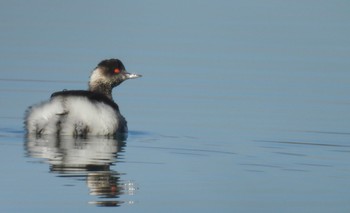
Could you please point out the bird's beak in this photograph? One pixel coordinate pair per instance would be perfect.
(131, 75)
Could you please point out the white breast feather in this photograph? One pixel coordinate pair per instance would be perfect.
(70, 113)
(44, 117)
(99, 118)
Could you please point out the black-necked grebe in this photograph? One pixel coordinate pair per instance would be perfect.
(83, 112)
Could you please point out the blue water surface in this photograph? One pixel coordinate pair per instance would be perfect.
(243, 106)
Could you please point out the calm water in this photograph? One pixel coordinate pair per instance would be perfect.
(243, 107)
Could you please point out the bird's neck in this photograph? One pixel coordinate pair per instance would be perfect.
(102, 89)
(99, 84)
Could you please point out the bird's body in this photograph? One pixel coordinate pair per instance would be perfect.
(83, 112)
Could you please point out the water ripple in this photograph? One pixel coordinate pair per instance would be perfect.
(302, 143)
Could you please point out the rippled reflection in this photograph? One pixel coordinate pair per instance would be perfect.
(87, 159)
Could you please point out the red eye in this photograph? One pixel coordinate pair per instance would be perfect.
(116, 70)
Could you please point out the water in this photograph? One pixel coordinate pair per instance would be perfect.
(243, 106)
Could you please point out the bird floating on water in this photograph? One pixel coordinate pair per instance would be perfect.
(83, 112)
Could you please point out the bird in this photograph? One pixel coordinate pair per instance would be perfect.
(81, 113)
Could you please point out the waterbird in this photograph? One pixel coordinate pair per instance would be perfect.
(83, 112)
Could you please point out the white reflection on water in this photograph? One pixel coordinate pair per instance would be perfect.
(87, 159)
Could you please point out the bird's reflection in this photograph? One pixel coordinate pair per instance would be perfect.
(87, 159)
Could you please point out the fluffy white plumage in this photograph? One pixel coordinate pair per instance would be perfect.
(72, 116)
